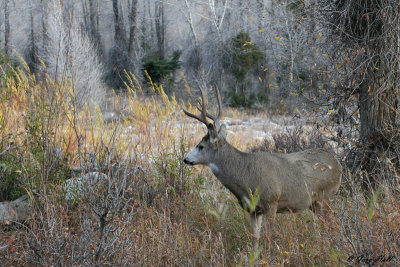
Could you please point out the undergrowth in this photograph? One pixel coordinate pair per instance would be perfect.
(151, 209)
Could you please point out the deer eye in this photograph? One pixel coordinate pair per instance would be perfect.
(200, 147)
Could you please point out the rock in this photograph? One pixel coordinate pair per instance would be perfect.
(77, 188)
(20, 209)
(111, 116)
(15, 211)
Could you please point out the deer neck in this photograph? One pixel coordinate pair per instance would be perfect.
(227, 162)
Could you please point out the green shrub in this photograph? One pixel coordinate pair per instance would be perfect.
(160, 69)
(244, 55)
(10, 182)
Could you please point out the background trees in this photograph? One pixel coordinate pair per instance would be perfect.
(122, 33)
(365, 42)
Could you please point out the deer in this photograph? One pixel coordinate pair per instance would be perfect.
(285, 182)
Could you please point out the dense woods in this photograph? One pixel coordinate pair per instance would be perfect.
(92, 133)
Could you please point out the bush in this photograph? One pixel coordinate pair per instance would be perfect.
(161, 70)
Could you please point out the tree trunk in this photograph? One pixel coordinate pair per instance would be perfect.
(132, 27)
(117, 21)
(44, 24)
(160, 28)
(369, 32)
(32, 59)
(378, 104)
(93, 22)
(196, 56)
(85, 14)
(6, 27)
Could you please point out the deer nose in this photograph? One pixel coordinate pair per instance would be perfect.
(187, 162)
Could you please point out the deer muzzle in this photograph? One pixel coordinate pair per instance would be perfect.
(186, 161)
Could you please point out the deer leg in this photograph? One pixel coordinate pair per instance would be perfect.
(256, 221)
(316, 207)
(256, 224)
(270, 214)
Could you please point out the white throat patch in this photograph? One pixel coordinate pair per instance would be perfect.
(213, 167)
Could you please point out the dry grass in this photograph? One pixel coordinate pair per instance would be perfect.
(157, 212)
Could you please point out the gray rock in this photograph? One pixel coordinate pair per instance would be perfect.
(20, 209)
(17, 210)
(77, 188)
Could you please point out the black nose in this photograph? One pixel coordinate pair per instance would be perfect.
(187, 162)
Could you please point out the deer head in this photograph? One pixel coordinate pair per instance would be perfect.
(216, 132)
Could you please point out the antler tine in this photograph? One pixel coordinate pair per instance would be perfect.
(203, 106)
(203, 115)
(217, 118)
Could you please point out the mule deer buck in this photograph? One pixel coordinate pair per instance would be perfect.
(285, 182)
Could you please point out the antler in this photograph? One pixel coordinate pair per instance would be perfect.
(217, 118)
(203, 115)
(203, 111)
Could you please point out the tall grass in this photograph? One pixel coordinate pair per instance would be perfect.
(153, 210)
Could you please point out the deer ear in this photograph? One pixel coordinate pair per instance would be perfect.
(222, 131)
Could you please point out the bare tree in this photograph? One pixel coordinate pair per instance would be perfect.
(119, 30)
(218, 11)
(197, 62)
(32, 59)
(370, 39)
(289, 26)
(69, 53)
(367, 45)
(132, 26)
(91, 20)
(6, 26)
(43, 17)
(160, 27)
